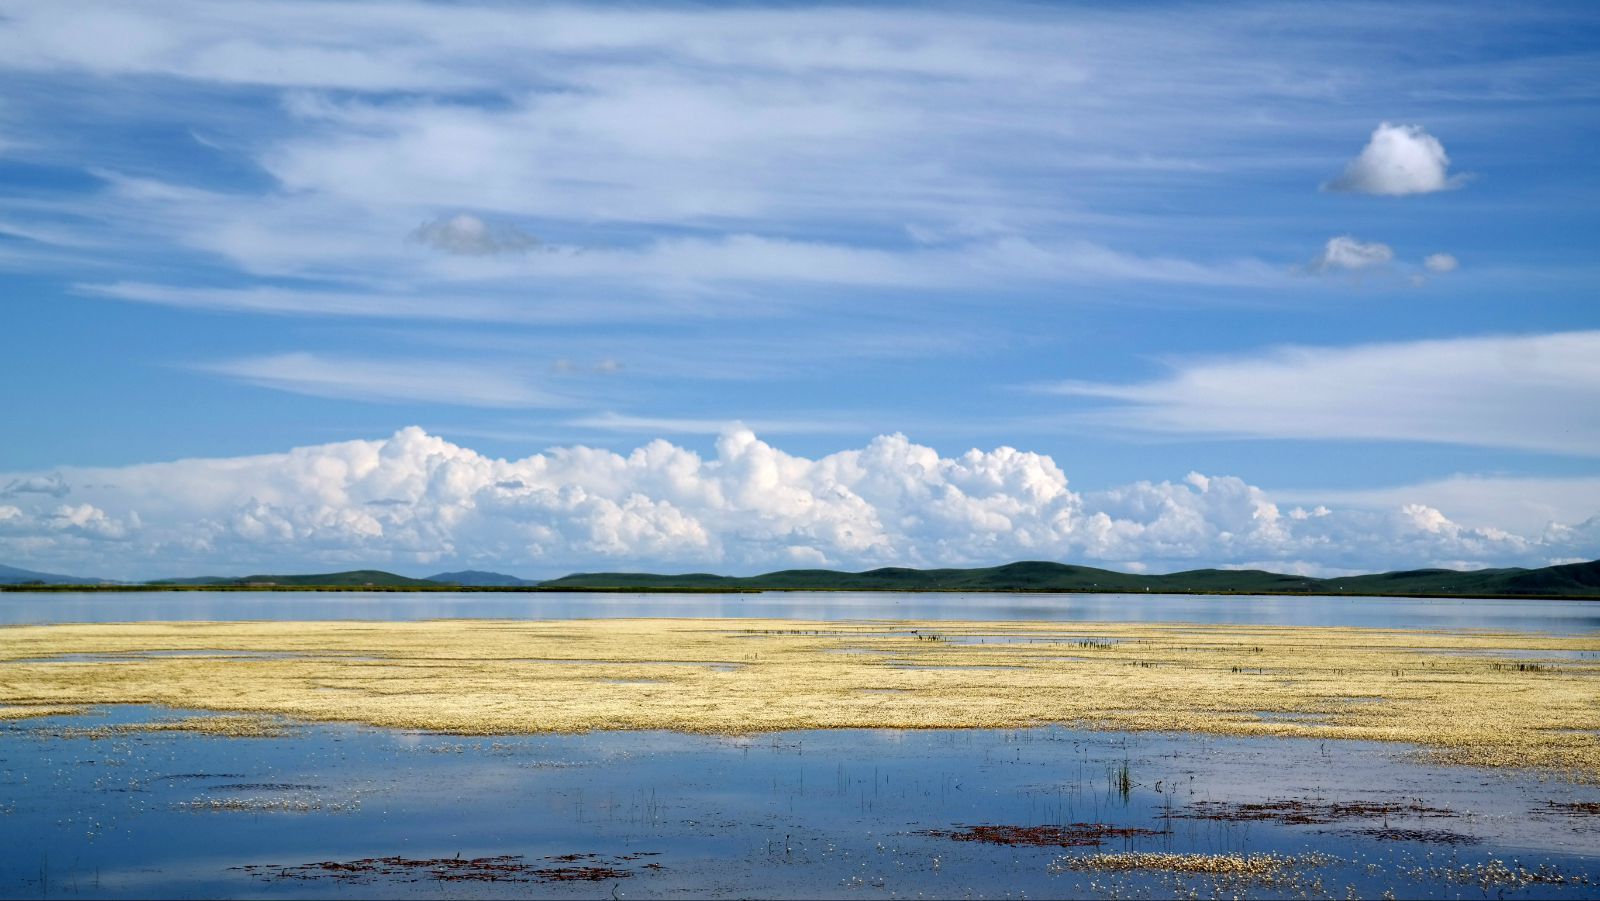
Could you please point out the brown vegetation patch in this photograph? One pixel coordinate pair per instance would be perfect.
(504, 868)
(1085, 835)
(1300, 812)
(265, 787)
(274, 804)
(1573, 808)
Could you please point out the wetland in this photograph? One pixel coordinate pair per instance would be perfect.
(543, 753)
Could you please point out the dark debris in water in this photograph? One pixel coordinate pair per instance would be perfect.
(199, 776)
(1073, 835)
(1572, 808)
(1295, 811)
(504, 868)
(1432, 836)
(265, 787)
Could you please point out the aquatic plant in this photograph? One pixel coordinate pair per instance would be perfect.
(1446, 691)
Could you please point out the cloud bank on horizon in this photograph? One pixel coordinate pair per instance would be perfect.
(1339, 255)
(418, 502)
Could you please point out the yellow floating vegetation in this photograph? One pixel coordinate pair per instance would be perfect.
(234, 726)
(1230, 866)
(1476, 697)
(25, 711)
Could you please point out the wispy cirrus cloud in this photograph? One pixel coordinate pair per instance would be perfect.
(1527, 392)
(677, 425)
(469, 235)
(773, 146)
(390, 381)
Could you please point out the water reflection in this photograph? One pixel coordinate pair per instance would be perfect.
(1562, 617)
(806, 814)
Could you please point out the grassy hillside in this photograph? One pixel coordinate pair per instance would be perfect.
(353, 579)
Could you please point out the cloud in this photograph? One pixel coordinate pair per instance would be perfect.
(388, 381)
(414, 500)
(302, 302)
(1348, 254)
(470, 236)
(1398, 160)
(616, 422)
(698, 144)
(51, 483)
(1524, 392)
(1441, 263)
(1525, 504)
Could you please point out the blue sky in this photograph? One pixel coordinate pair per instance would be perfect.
(1341, 256)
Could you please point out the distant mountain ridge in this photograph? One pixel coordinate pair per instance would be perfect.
(1572, 579)
(11, 575)
(1576, 580)
(477, 578)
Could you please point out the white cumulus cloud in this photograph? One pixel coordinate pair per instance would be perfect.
(414, 501)
(1398, 160)
(1441, 263)
(1348, 254)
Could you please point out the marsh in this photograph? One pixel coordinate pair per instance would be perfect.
(353, 744)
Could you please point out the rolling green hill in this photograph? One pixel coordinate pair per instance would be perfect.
(1569, 580)
(1572, 580)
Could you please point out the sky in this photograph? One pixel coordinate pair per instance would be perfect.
(297, 286)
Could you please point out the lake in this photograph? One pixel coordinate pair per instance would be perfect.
(91, 809)
(1558, 617)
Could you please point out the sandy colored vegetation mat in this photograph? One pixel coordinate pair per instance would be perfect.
(1488, 698)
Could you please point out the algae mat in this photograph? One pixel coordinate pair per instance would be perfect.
(1476, 697)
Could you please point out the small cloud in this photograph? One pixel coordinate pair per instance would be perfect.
(52, 484)
(1350, 255)
(1398, 160)
(1441, 263)
(467, 235)
(606, 366)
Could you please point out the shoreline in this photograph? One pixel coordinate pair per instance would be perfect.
(534, 589)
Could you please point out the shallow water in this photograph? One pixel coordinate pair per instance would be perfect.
(847, 813)
(1562, 617)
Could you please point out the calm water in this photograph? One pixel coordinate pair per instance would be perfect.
(1564, 617)
(830, 814)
